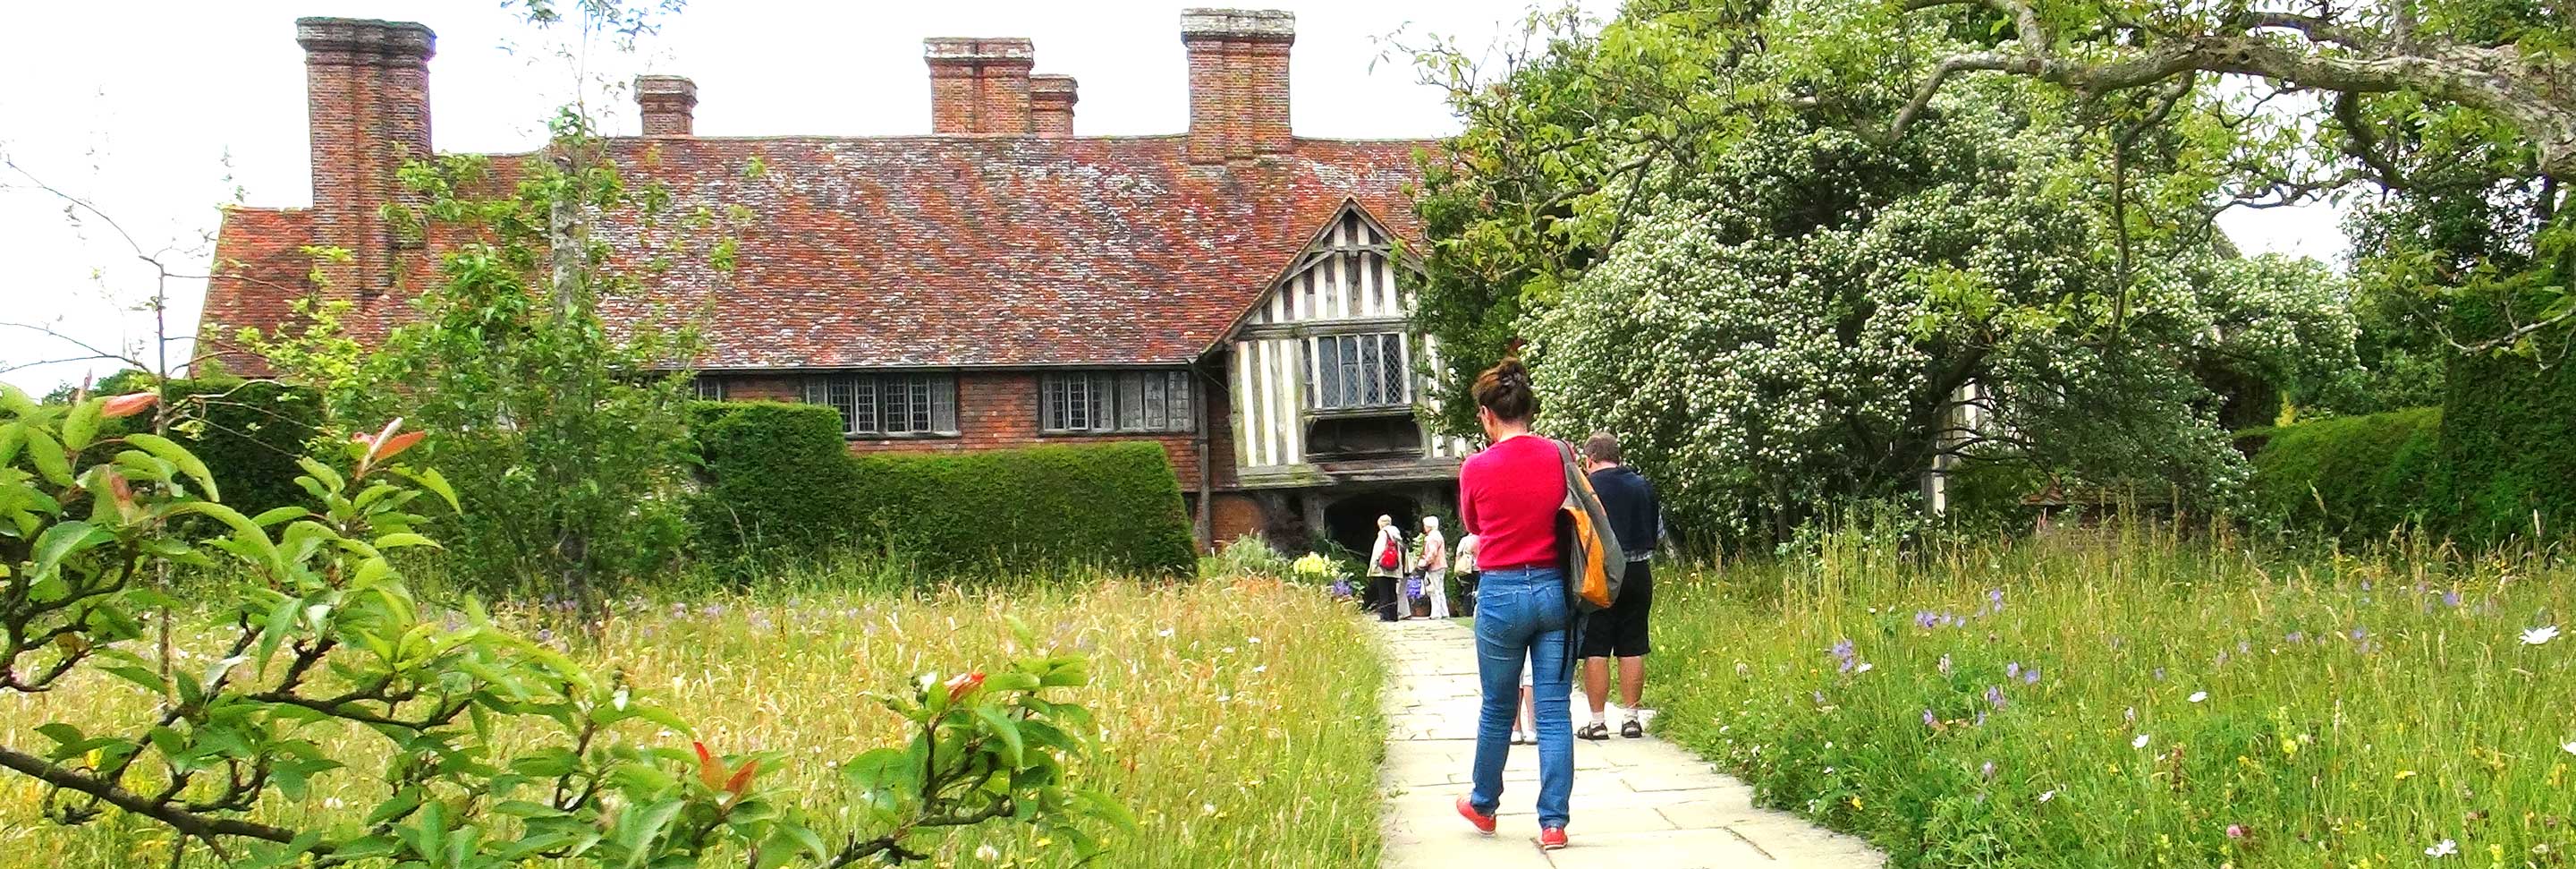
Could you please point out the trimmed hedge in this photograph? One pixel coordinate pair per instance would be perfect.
(2357, 477)
(2511, 441)
(249, 432)
(775, 477)
(1114, 505)
(780, 480)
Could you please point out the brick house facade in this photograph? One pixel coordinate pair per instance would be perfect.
(1231, 292)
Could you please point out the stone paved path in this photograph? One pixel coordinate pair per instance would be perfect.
(1638, 803)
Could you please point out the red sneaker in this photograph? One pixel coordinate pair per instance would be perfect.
(1484, 822)
(1551, 839)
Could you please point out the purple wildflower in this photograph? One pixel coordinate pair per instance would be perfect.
(545, 635)
(1925, 619)
(2365, 585)
(1981, 718)
(1995, 695)
(2360, 633)
(2451, 598)
(1988, 770)
(1820, 698)
(1996, 598)
(1842, 649)
(2030, 676)
(2012, 670)
(2296, 637)
(711, 610)
(1930, 720)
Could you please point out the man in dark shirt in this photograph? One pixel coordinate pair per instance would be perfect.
(1620, 631)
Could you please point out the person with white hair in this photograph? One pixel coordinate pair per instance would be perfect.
(1386, 570)
(1433, 565)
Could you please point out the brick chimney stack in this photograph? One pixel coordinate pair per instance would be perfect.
(979, 85)
(1051, 99)
(367, 103)
(1238, 82)
(669, 103)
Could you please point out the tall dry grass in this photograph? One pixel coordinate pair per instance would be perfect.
(1240, 720)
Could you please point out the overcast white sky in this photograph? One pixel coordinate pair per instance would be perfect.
(161, 111)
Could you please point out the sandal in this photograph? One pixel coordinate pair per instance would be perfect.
(1595, 731)
(1632, 729)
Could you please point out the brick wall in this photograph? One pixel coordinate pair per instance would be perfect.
(367, 103)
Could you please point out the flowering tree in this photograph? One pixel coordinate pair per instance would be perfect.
(489, 750)
(1811, 322)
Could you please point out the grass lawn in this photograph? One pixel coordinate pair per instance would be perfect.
(2138, 701)
(1241, 721)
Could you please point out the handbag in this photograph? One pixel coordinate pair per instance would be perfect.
(1386, 557)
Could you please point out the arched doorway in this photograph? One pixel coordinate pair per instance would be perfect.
(1352, 521)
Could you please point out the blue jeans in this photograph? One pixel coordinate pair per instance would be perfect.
(1521, 618)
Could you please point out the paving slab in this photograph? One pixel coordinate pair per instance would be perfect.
(1637, 804)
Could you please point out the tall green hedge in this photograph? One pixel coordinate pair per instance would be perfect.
(249, 432)
(2511, 438)
(779, 481)
(776, 478)
(1115, 505)
(2356, 477)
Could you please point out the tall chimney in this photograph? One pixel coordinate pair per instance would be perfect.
(366, 95)
(1051, 99)
(669, 103)
(979, 85)
(1238, 82)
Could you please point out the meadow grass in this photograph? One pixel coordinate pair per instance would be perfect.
(2130, 698)
(1240, 720)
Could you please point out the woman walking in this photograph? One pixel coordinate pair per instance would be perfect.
(1433, 565)
(1386, 569)
(1508, 497)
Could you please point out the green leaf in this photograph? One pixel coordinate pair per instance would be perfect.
(404, 538)
(82, 423)
(61, 733)
(63, 541)
(11, 436)
(48, 456)
(430, 479)
(1002, 726)
(274, 515)
(169, 451)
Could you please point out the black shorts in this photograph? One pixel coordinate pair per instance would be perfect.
(1620, 631)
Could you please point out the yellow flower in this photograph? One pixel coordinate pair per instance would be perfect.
(1855, 802)
(2405, 774)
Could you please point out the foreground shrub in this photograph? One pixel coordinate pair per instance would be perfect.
(2134, 702)
(2358, 476)
(487, 750)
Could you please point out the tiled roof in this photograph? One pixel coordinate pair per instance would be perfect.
(259, 270)
(941, 251)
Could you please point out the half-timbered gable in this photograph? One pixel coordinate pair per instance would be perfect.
(1327, 370)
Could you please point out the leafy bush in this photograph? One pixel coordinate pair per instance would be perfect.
(2357, 477)
(776, 478)
(1117, 506)
(249, 432)
(1249, 555)
(2511, 435)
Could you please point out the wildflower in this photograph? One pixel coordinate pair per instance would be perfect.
(1987, 771)
(987, 853)
(1930, 720)
(2451, 598)
(2236, 831)
(1863, 668)
(2198, 696)
(1995, 599)
(1981, 718)
(1925, 619)
(2140, 742)
(2444, 848)
(1995, 695)
(2570, 746)
(1253, 640)
(1945, 665)
(2129, 715)
(2537, 636)
(2030, 676)
(1166, 632)
(2405, 774)
(2359, 633)
(1261, 668)
(2296, 637)
(2012, 670)
(2046, 795)
(2160, 674)
(1842, 649)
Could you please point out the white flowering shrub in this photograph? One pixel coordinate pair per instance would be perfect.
(1791, 331)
